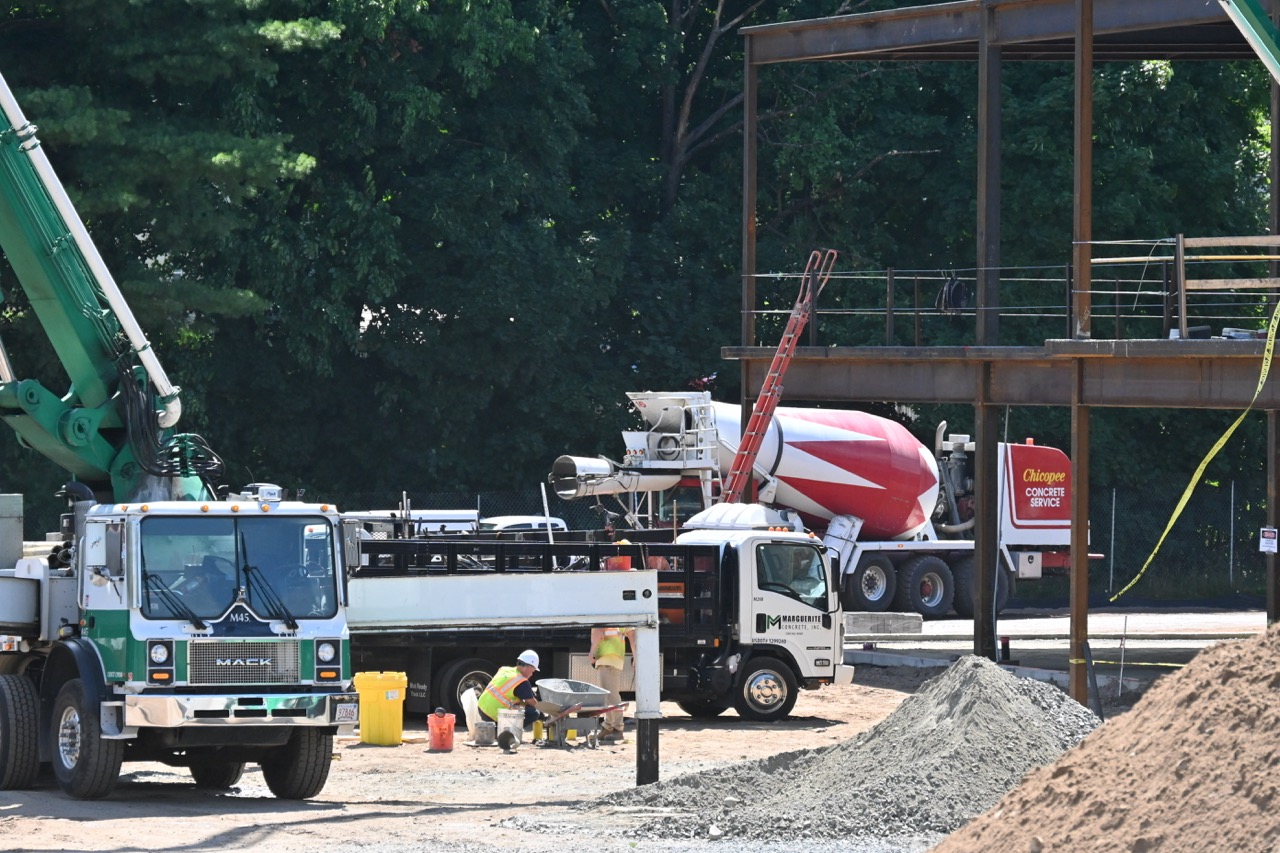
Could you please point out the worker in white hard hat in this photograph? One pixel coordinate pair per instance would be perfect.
(510, 688)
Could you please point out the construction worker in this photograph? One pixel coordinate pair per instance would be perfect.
(608, 653)
(510, 688)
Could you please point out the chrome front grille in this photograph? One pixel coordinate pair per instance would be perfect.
(243, 662)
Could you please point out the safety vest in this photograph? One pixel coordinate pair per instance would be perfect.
(611, 645)
(501, 692)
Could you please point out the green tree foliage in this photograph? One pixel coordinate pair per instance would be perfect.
(431, 245)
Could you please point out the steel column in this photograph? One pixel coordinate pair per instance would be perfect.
(988, 229)
(1078, 686)
(986, 554)
(1081, 255)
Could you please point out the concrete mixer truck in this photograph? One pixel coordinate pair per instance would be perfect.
(898, 517)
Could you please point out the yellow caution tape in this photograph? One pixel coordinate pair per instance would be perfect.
(1213, 451)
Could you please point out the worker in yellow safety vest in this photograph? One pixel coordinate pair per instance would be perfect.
(510, 688)
(608, 655)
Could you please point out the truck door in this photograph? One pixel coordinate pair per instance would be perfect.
(790, 605)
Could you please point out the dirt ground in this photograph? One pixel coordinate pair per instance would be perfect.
(405, 797)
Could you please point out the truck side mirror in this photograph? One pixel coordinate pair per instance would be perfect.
(833, 585)
(351, 530)
(104, 549)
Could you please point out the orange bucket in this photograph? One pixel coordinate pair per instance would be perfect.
(440, 732)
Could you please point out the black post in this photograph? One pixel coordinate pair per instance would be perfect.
(646, 752)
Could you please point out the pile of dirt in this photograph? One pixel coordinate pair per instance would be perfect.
(1193, 767)
(948, 753)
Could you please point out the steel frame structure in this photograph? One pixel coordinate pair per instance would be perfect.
(1080, 373)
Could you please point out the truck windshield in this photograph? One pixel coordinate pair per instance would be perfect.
(203, 565)
(793, 570)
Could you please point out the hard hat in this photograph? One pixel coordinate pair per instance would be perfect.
(530, 657)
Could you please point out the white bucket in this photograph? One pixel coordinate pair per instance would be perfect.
(512, 721)
(486, 733)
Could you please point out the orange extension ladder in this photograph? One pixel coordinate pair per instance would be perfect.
(816, 273)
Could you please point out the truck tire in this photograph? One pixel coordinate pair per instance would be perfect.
(925, 586)
(871, 586)
(703, 709)
(766, 690)
(217, 774)
(460, 675)
(19, 732)
(966, 595)
(299, 769)
(963, 602)
(85, 764)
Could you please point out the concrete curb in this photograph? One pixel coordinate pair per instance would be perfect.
(1050, 676)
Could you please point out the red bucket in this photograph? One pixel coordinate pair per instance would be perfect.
(440, 732)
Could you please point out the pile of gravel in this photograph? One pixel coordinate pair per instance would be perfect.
(948, 753)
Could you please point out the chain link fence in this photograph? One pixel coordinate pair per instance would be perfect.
(1210, 556)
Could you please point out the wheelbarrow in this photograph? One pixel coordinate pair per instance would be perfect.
(587, 720)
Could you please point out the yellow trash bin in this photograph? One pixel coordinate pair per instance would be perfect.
(381, 707)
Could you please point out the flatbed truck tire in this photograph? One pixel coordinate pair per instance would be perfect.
(19, 732)
(766, 690)
(85, 764)
(299, 769)
(703, 709)
(461, 674)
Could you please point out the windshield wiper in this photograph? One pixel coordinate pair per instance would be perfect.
(171, 599)
(277, 609)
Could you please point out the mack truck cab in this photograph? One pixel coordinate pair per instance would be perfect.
(197, 634)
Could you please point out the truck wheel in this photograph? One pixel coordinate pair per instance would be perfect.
(216, 773)
(299, 769)
(925, 586)
(966, 595)
(84, 763)
(461, 675)
(964, 600)
(766, 690)
(19, 732)
(871, 586)
(703, 709)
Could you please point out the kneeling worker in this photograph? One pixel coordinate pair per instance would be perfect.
(510, 688)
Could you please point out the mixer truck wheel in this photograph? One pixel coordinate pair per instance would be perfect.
(871, 586)
(925, 586)
(964, 600)
(85, 764)
(966, 597)
(299, 769)
(19, 732)
(766, 690)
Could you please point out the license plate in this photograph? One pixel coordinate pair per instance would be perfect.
(346, 713)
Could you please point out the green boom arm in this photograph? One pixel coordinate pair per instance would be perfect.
(113, 428)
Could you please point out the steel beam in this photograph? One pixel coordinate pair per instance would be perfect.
(1028, 28)
(1188, 374)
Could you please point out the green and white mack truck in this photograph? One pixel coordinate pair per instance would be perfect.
(167, 621)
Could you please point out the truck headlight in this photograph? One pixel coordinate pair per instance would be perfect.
(326, 652)
(159, 653)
